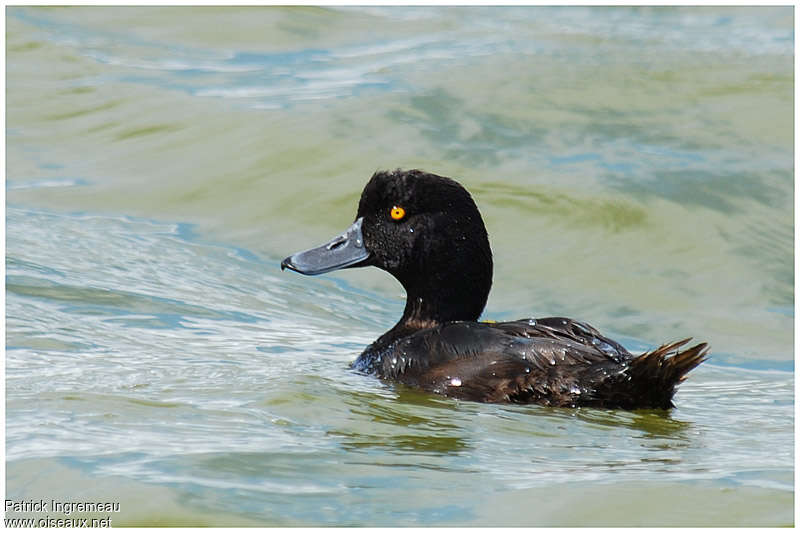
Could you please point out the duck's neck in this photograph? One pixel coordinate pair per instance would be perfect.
(429, 306)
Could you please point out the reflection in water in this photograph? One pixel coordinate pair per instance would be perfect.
(651, 423)
(413, 422)
(423, 443)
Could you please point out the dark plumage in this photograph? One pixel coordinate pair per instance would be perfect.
(426, 231)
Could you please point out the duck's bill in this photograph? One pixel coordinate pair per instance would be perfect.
(344, 251)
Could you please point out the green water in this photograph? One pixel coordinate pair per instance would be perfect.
(634, 168)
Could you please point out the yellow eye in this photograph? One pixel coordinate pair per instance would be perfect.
(397, 213)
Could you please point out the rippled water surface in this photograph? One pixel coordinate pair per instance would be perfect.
(634, 168)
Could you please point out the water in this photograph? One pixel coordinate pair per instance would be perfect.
(634, 168)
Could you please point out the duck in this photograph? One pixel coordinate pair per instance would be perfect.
(426, 231)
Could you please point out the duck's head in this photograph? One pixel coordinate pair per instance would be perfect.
(426, 231)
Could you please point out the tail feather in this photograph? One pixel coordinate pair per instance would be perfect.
(656, 373)
(650, 379)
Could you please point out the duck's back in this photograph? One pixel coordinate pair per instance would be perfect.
(551, 361)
